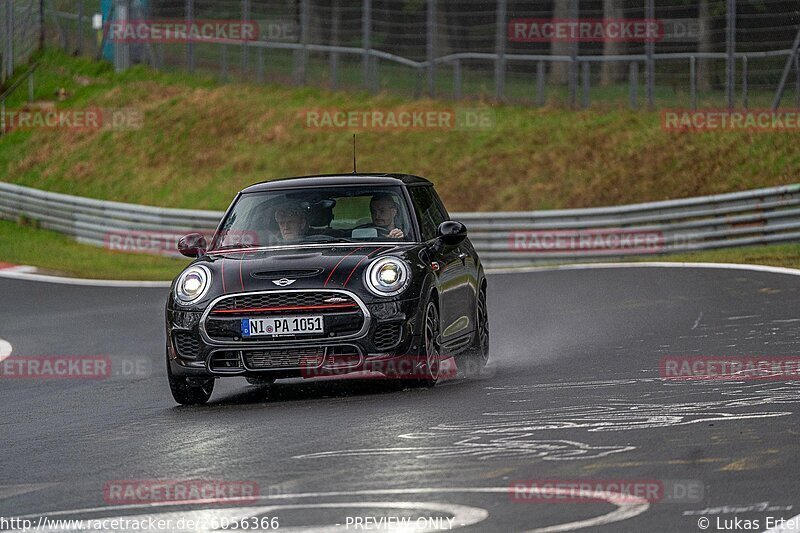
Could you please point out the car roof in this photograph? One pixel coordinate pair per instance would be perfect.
(324, 180)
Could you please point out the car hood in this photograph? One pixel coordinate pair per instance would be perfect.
(332, 267)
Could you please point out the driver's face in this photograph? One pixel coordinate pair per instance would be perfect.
(292, 225)
(383, 213)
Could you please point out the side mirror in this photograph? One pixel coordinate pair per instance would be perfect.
(192, 245)
(451, 233)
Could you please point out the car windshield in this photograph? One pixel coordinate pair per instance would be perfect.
(316, 216)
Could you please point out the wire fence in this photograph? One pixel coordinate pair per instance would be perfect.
(700, 53)
(20, 31)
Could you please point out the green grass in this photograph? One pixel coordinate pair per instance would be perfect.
(57, 253)
(202, 141)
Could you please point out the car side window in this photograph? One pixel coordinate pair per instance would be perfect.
(429, 210)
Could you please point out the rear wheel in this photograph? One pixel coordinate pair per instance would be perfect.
(187, 390)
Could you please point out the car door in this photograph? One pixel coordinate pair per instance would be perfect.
(452, 284)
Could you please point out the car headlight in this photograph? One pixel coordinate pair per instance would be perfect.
(387, 276)
(192, 284)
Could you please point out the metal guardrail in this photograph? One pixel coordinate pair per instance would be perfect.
(760, 216)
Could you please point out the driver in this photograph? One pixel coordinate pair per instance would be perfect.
(384, 214)
(292, 221)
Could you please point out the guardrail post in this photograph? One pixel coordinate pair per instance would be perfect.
(260, 64)
(650, 46)
(335, 30)
(430, 47)
(224, 63)
(305, 31)
(730, 66)
(9, 41)
(245, 44)
(500, 50)
(585, 73)
(79, 48)
(189, 43)
(573, 63)
(744, 82)
(633, 85)
(121, 49)
(2, 116)
(30, 88)
(457, 79)
(540, 80)
(366, 38)
(693, 81)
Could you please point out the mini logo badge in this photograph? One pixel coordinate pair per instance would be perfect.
(283, 282)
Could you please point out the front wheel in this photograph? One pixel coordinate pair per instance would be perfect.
(478, 355)
(432, 364)
(189, 391)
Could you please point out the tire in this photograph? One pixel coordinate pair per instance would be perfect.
(189, 391)
(478, 355)
(431, 368)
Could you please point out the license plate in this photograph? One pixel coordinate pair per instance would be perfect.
(282, 325)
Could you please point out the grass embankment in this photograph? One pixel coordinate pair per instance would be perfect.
(202, 141)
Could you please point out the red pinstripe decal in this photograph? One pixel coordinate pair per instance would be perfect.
(362, 260)
(339, 263)
(241, 281)
(224, 290)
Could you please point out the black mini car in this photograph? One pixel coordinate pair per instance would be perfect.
(326, 275)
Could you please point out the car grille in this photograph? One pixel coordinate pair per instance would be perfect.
(284, 358)
(342, 315)
(187, 344)
(387, 335)
(283, 303)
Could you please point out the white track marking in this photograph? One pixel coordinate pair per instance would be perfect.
(7, 491)
(5, 349)
(650, 264)
(626, 505)
(28, 276)
(793, 524)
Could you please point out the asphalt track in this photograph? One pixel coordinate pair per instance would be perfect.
(574, 393)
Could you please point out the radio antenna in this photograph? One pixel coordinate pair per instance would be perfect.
(354, 154)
